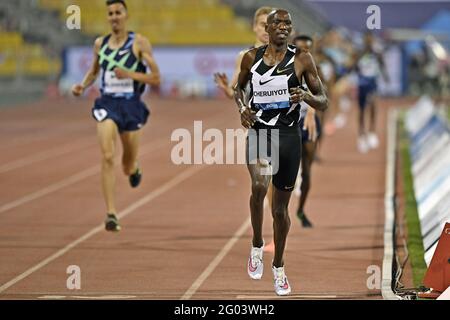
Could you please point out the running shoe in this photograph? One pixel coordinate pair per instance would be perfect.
(340, 121)
(362, 144)
(281, 283)
(135, 178)
(112, 223)
(304, 219)
(255, 266)
(372, 140)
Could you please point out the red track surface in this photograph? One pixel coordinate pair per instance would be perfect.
(185, 218)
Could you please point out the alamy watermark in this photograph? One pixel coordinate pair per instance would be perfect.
(73, 282)
(214, 147)
(374, 280)
(73, 21)
(374, 20)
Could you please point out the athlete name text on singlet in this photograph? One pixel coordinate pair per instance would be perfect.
(124, 58)
(269, 90)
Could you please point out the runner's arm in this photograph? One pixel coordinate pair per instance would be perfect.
(237, 70)
(222, 80)
(92, 73)
(146, 54)
(317, 97)
(247, 115)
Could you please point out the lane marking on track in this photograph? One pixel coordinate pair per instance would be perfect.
(216, 261)
(91, 171)
(51, 188)
(127, 211)
(293, 296)
(41, 156)
(105, 297)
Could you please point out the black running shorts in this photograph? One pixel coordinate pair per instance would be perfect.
(281, 147)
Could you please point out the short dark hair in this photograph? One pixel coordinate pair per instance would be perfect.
(303, 37)
(261, 11)
(272, 14)
(110, 2)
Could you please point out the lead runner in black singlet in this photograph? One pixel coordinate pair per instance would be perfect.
(272, 117)
(122, 58)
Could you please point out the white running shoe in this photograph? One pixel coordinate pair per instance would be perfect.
(340, 121)
(281, 283)
(255, 266)
(372, 140)
(363, 146)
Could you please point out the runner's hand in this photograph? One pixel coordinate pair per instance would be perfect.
(221, 80)
(121, 73)
(248, 118)
(77, 90)
(297, 94)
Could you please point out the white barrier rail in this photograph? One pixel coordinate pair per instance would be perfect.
(430, 154)
(389, 204)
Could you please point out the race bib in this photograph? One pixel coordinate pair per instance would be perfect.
(271, 93)
(368, 66)
(114, 85)
(100, 114)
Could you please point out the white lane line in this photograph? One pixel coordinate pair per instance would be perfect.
(52, 297)
(216, 261)
(389, 219)
(105, 297)
(45, 155)
(145, 149)
(294, 296)
(71, 180)
(51, 188)
(130, 209)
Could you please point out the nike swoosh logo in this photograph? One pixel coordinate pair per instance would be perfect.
(121, 53)
(261, 83)
(283, 70)
(285, 286)
(250, 267)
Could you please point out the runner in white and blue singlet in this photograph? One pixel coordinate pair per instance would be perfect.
(122, 58)
(369, 66)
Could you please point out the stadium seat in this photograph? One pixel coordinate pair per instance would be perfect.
(19, 57)
(173, 22)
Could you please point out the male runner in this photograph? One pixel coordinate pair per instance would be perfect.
(273, 114)
(340, 50)
(259, 24)
(310, 126)
(369, 64)
(120, 56)
(327, 73)
(259, 28)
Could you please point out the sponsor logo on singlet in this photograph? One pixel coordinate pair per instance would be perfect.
(114, 85)
(270, 92)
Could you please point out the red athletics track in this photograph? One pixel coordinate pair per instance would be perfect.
(185, 229)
